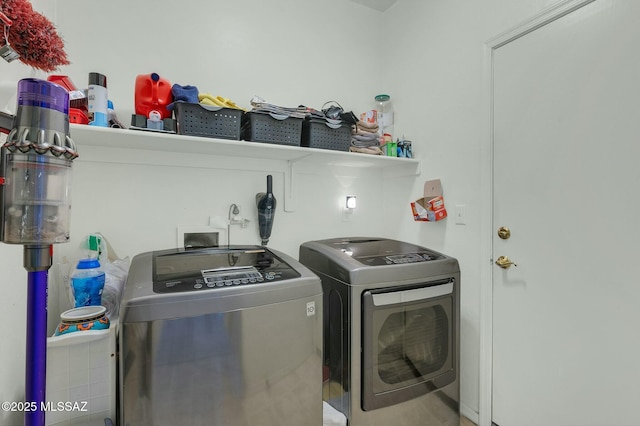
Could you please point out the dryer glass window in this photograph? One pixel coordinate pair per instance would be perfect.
(408, 342)
(412, 344)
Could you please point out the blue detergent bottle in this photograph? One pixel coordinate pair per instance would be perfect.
(87, 283)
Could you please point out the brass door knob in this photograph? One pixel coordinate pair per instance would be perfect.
(504, 262)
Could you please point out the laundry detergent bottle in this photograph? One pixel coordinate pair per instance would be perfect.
(87, 283)
(152, 95)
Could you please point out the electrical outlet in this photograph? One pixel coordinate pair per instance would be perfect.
(347, 214)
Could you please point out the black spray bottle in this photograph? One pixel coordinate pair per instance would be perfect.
(266, 203)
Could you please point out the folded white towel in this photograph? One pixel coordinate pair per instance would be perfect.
(331, 416)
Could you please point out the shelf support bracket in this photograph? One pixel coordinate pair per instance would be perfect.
(290, 173)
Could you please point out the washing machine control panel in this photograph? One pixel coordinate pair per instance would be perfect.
(206, 270)
(232, 276)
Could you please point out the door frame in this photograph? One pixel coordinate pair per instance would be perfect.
(554, 12)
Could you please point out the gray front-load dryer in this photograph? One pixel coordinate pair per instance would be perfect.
(391, 330)
(220, 337)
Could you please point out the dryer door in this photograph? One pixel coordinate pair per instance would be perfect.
(408, 342)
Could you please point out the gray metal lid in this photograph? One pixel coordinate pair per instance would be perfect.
(140, 303)
(364, 260)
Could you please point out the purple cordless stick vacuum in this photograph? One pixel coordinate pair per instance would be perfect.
(35, 176)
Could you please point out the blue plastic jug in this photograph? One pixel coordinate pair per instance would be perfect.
(87, 282)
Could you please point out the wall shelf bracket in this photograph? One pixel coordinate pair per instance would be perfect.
(290, 173)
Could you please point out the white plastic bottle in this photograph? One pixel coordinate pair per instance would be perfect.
(384, 110)
(97, 100)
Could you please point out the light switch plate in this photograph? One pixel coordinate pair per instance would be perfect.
(461, 214)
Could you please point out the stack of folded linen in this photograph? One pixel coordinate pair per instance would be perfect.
(365, 138)
(260, 105)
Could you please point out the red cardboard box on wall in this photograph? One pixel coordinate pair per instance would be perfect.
(431, 207)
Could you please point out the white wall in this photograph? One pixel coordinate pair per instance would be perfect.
(434, 66)
(428, 55)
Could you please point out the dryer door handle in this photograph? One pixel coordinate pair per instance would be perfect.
(404, 296)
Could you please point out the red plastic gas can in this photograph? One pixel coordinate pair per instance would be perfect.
(152, 93)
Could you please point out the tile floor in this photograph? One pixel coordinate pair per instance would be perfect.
(466, 422)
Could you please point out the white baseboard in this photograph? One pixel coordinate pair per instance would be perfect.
(469, 413)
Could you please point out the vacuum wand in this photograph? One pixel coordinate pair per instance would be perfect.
(266, 203)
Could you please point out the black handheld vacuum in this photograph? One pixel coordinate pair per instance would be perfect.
(266, 203)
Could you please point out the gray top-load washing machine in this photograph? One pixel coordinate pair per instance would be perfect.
(220, 336)
(391, 330)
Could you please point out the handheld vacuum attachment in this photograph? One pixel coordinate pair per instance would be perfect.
(266, 203)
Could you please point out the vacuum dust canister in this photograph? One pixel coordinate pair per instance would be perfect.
(35, 167)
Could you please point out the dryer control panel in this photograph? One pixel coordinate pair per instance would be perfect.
(381, 252)
(397, 259)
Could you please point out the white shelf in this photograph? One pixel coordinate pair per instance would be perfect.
(84, 135)
(133, 146)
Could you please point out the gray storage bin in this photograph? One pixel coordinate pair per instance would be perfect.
(208, 121)
(326, 135)
(271, 128)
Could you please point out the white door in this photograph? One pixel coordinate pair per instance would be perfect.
(566, 164)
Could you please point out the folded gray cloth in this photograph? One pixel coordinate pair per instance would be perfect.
(365, 138)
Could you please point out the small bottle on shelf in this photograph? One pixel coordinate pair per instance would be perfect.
(384, 110)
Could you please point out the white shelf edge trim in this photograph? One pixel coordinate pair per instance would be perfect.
(84, 135)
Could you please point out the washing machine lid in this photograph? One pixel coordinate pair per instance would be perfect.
(284, 279)
(177, 270)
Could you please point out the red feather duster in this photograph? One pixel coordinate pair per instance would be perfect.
(31, 35)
